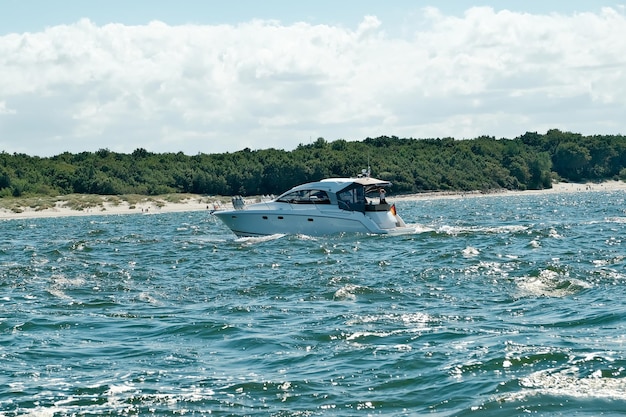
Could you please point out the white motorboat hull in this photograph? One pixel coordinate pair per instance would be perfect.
(251, 222)
(336, 205)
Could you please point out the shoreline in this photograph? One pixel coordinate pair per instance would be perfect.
(557, 188)
(92, 205)
(108, 205)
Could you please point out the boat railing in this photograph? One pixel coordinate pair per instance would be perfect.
(377, 207)
(238, 202)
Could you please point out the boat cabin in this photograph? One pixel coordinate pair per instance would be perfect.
(351, 194)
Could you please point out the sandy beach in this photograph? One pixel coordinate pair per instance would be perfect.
(105, 205)
(561, 187)
(28, 208)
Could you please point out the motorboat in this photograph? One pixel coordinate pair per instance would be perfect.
(332, 205)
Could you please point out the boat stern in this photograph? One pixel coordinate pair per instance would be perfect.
(384, 216)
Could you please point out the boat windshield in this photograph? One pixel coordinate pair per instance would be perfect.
(352, 198)
(305, 197)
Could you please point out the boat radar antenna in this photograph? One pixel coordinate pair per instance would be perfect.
(365, 173)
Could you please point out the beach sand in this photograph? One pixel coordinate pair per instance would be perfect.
(561, 187)
(203, 203)
(105, 205)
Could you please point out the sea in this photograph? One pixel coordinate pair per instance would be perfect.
(499, 305)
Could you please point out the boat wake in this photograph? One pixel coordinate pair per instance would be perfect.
(410, 229)
(458, 230)
(259, 239)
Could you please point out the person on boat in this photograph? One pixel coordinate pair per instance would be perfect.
(381, 194)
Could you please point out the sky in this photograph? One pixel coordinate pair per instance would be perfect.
(203, 76)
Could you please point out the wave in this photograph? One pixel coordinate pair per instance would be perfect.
(550, 283)
(568, 383)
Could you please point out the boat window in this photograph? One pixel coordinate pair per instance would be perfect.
(305, 197)
(352, 198)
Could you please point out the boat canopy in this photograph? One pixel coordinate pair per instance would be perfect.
(367, 182)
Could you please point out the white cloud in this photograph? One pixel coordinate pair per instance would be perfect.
(4, 109)
(262, 84)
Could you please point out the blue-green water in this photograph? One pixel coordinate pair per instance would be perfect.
(501, 306)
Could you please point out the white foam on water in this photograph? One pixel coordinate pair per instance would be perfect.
(346, 292)
(551, 283)
(470, 252)
(566, 383)
(259, 239)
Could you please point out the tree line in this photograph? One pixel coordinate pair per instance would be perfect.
(530, 161)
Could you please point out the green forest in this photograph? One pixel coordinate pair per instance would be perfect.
(530, 161)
